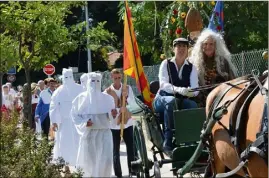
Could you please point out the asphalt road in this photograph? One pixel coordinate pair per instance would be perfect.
(165, 170)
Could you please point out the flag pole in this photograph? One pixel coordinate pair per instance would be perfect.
(123, 105)
(136, 68)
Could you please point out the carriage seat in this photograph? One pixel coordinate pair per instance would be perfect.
(154, 87)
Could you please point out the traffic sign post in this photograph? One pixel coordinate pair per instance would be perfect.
(11, 78)
(11, 71)
(49, 70)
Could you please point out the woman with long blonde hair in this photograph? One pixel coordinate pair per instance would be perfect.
(212, 60)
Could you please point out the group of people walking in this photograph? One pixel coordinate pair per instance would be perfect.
(86, 122)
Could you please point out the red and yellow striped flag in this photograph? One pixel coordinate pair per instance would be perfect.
(132, 65)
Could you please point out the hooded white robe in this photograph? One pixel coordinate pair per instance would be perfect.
(95, 155)
(66, 137)
(83, 81)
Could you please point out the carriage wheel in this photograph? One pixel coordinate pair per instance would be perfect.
(141, 163)
(157, 172)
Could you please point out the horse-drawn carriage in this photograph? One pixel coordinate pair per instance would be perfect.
(196, 140)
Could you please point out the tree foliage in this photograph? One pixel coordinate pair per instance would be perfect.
(8, 52)
(8, 57)
(158, 23)
(24, 155)
(99, 37)
(147, 18)
(246, 25)
(39, 29)
(42, 36)
(100, 43)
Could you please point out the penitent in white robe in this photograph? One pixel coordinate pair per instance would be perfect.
(66, 137)
(84, 81)
(95, 155)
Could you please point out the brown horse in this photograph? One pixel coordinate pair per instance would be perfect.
(224, 152)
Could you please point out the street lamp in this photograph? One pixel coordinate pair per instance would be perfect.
(88, 40)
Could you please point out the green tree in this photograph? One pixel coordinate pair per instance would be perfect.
(246, 25)
(40, 33)
(158, 23)
(147, 19)
(8, 58)
(42, 36)
(100, 43)
(24, 154)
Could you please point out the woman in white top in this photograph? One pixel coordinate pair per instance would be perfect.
(7, 102)
(35, 99)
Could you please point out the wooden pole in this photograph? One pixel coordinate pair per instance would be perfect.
(123, 105)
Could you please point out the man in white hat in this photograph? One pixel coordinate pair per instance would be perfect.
(91, 113)
(66, 136)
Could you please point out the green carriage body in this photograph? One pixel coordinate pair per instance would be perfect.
(188, 125)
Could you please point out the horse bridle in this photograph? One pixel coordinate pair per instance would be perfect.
(255, 146)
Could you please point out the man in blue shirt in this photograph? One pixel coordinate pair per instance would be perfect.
(42, 108)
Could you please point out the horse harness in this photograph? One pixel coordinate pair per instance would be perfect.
(237, 124)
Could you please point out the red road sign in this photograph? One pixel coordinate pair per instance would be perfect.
(11, 78)
(49, 69)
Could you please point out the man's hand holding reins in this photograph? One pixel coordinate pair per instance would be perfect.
(182, 90)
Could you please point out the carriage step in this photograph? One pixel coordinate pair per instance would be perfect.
(135, 165)
(165, 161)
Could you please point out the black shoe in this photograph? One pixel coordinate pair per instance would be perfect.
(132, 174)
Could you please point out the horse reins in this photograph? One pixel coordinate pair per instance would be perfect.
(205, 87)
(215, 109)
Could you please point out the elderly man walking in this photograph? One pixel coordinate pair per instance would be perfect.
(42, 108)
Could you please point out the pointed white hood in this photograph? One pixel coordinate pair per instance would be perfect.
(84, 80)
(94, 101)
